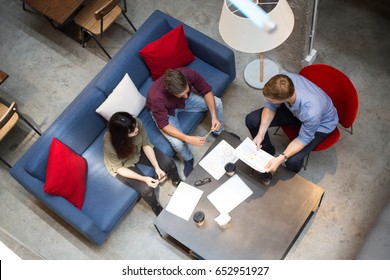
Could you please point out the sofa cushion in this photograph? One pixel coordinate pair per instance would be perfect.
(170, 51)
(124, 98)
(216, 78)
(107, 200)
(66, 174)
(75, 127)
(155, 136)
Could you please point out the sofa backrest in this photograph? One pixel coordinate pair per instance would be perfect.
(77, 127)
(128, 60)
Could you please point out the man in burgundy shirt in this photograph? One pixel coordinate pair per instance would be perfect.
(183, 90)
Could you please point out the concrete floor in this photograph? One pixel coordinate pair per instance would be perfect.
(48, 69)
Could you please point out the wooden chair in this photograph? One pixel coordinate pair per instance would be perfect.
(97, 16)
(8, 119)
(3, 77)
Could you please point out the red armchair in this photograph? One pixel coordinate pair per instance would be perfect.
(343, 94)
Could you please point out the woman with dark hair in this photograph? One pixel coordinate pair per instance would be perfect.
(126, 144)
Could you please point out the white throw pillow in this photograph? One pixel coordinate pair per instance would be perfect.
(124, 98)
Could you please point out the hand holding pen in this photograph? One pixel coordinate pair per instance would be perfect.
(215, 126)
(151, 182)
(155, 182)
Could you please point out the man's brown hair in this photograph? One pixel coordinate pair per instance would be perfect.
(175, 82)
(279, 87)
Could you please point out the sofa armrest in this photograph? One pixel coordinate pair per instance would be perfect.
(212, 52)
(59, 205)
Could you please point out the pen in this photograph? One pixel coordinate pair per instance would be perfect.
(208, 133)
(162, 177)
(159, 180)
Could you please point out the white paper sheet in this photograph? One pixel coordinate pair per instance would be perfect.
(214, 162)
(230, 194)
(184, 201)
(248, 153)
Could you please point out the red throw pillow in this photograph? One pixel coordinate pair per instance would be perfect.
(66, 173)
(170, 51)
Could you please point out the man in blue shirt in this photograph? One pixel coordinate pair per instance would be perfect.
(292, 100)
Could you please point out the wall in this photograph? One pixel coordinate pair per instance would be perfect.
(292, 53)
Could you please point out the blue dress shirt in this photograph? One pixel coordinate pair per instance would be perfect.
(312, 107)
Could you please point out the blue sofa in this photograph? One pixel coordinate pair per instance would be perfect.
(107, 200)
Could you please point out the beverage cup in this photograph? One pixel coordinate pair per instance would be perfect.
(199, 218)
(230, 168)
(223, 220)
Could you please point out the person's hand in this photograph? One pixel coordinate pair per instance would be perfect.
(215, 124)
(258, 140)
(197, 140)
(161, 174)
(273, 164)
(151, 182)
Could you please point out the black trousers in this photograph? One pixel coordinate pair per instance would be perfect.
(283, 116)
(166, 163)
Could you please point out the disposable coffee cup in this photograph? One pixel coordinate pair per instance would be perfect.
(198, 218)
(230, 168)
(223, 220)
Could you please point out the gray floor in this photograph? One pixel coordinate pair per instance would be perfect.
(48, 69)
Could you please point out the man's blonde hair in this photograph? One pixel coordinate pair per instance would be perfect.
(279, 87)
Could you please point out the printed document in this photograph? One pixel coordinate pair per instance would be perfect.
(184, 201)
(230, 194)
(214, 162)
(248, 153)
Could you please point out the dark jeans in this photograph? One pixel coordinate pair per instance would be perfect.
(166, 163)
(283, 116)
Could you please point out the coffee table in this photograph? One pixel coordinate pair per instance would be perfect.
(264, 226)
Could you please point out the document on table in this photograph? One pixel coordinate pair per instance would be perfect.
(230, 194)
(184, 201)
(214, 162)
(248, 153)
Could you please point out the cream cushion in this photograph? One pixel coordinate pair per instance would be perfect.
(124, 98)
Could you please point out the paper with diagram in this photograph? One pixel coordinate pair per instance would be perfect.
(248, 153)
(214, 162)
